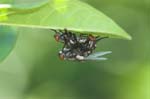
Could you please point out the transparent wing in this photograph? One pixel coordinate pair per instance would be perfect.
(97, 56)
(92, 58)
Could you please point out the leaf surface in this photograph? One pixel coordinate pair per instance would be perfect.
(71, 14)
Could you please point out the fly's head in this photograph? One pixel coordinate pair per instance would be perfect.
(57, 37)
(91, 38)
(61, 55)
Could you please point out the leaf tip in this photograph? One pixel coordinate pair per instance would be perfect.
(129, 37)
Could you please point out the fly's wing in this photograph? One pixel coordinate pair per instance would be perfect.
(97, 56)
(95, 59)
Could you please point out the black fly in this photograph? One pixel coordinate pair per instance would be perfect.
(78, 47)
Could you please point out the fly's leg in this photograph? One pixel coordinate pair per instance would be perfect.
(100, 38)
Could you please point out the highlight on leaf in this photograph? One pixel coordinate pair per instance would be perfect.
(3, 14)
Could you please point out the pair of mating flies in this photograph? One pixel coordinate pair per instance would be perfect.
(78, 47)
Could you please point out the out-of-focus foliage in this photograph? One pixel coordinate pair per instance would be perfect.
(24, 4)
(33, 70)
(8, 38)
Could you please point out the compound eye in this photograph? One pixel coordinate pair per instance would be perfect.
(92, 38)
(61, 56)
(57, 37)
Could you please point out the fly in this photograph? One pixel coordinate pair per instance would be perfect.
(78, 47)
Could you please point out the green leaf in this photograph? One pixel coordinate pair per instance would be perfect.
(71, 14)
(7, 40)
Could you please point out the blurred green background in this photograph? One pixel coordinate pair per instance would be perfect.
(34, 71)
